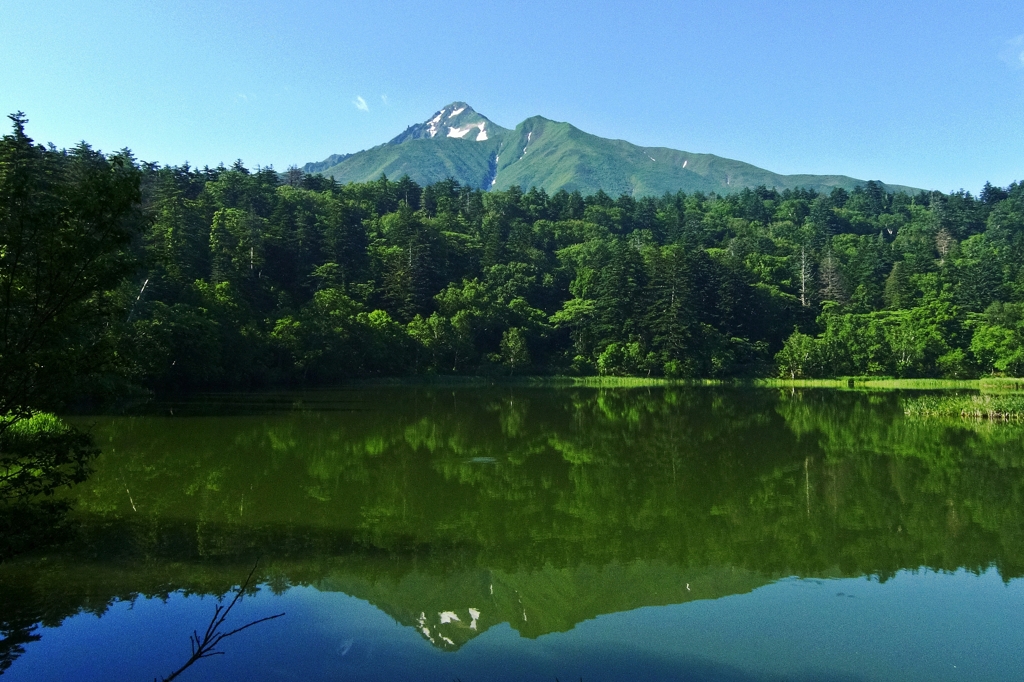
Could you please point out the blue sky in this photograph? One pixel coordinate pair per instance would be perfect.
(928, 94)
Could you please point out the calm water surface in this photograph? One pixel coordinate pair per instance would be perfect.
(527, 534)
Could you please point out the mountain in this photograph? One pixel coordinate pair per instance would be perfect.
(460, 143)
(329, 162)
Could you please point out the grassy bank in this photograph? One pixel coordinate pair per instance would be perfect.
(1001, 385)
(539, 381)
(995, 407)
(870, 383)
(844, 383)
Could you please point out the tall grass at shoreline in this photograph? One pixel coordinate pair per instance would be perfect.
(868, 383)
(1001, 385)
(844, 383)
(986, 406)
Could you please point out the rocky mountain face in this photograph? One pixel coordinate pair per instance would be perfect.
(457, 120)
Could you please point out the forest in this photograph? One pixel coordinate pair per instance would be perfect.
(118, 275)
(121, 279)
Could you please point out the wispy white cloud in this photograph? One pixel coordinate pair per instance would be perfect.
(384, 98)
(1013, 52)
(361, 104)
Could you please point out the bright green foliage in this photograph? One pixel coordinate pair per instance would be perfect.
(998, 341)
(315, 282)
(241, 280)
(514, 352)
(40, 454)
(797, 358)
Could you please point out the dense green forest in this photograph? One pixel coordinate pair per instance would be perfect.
(119, 276)
(117, 273)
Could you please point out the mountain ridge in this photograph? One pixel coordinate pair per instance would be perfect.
(460, 143)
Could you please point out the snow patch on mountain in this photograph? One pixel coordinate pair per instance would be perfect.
(456, 112)
(433, 123)
(464, 130)
(492, 170)
(529, 136)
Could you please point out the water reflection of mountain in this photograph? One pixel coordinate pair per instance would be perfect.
(571, 503)
(451, 609)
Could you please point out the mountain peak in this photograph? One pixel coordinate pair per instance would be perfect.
(458, 120)
(553, 155)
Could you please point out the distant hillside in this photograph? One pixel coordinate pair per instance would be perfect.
(457, 142)
(329, 162)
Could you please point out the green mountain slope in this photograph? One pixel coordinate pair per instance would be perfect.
(459, 143)
(456, 142)
(425, 161)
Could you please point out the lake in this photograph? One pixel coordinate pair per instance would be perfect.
(519, 533)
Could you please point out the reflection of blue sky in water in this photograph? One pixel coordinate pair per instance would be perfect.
(916, 626)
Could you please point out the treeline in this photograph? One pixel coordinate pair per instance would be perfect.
(246, 277)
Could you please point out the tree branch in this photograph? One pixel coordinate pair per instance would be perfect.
(206, 646)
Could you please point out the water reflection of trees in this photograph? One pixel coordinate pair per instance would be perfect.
(527, 481)
(770, 482)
